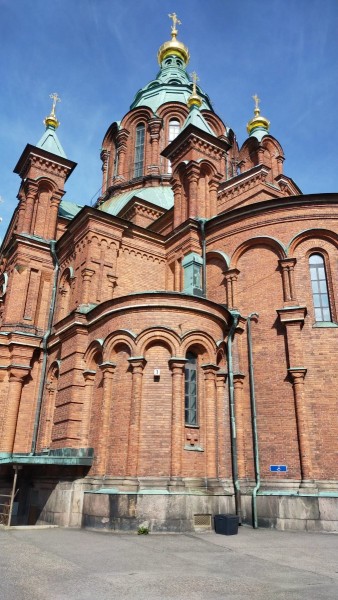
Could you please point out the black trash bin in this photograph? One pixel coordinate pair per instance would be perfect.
(226, 524)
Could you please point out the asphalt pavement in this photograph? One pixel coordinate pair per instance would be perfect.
(66, 564)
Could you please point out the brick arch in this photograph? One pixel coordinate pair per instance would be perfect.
(202, 341)
(156, 335)
(136, 116)
(215, 122)
(322, 234)
(207, 167)
(91, 353)
(172, 110)
(222, 257)
(266, 241)
(122, 336)
(46, 185)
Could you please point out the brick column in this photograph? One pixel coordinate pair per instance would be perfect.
(240, 434)
(87, 275)
(47, 430)
(211, 420)
(177, 370)
(17, 374)
(53, 214)
(112, 279)
(21, 212)
(154, 130)
(121, 139)
(108, 370)
(213, 187)
(231, 277)
(105, 154)
(287, 266)
(179, 213)
(89, 377)
(293, 319)
(137, 364)
(193, 171)
(222, 424)
(31, 194)
(297, 377)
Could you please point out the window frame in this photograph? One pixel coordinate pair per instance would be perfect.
(320, 299)
(191, 394)
(139, 150)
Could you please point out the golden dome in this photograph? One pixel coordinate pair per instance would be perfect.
(173, 46)
(258, 120)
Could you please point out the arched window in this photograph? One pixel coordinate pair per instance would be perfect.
(319, 288)
(191, 389)
(174, 129)
(139, 150)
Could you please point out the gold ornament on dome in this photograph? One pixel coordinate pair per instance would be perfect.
(194, 99)
(173, 46)
(51, 120)
(258, 120)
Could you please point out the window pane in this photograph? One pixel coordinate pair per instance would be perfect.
(326, 314)
(139, 151)
(318, 314)
(191, 389)
(319, 288)
(316, 300)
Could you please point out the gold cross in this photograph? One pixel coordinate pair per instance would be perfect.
(55, 99)
(257, 101)
(195, 79)
(176, 21)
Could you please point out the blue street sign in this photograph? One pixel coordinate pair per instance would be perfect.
(278, 468)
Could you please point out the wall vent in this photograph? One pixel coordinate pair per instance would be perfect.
(202, 522)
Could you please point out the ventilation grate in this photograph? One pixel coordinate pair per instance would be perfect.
(202, 521)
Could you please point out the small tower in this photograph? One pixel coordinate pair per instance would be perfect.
(44, 168)
(261, 148)
(197, 158)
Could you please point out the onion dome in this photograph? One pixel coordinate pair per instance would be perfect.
(173, 46)
(259, 125)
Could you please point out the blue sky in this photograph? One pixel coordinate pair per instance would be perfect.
(97, 53)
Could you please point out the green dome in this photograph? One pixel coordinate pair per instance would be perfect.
(172, 84)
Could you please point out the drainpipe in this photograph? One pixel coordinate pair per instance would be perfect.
(254, 422)
(235, 316)
(204, 266)
(44, 347)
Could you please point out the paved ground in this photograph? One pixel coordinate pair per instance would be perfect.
(64, 564)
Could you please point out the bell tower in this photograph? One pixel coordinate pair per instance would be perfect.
(43, 168)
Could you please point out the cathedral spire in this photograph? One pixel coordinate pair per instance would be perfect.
(50, 140)
(259, 125)
(173, 46)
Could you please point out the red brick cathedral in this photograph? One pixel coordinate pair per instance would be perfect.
(170, 353)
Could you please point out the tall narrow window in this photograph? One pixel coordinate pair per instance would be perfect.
(191, 389)
(319, 288)
(174, 129)
(139, 150)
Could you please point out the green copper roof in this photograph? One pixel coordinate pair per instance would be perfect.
(172, 84)
(68, 210)
(51, 143)
(196, 118)
(161, 196)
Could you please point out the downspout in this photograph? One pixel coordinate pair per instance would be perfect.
(254, 422)
(204, 265)
(44, 347)
(235, 316)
